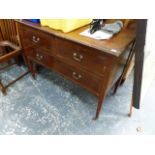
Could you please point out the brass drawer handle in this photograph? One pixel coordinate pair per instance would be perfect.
(76, 76)
(77, 57)
(39, 57)
(35, 39)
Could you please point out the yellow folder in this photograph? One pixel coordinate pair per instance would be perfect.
(66, 25)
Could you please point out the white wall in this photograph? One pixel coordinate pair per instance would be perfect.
(149, 60)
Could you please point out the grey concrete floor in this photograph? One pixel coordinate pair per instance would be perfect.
(53, 105)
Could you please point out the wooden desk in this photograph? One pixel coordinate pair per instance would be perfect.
(90, 63)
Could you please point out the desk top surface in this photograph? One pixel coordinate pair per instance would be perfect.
(114, 46)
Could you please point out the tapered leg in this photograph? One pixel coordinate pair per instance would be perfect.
(99, 107)
(25, 59)
(31, 68)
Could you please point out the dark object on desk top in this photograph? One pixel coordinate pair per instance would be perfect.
(96, 25)
(99, 24)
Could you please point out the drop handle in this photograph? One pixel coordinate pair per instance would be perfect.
(77, 57)
(76, 76)
(35, 39)
(39, 57)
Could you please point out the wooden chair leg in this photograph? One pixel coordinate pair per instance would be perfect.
(18, 60)
(131, 108)
(3, 89)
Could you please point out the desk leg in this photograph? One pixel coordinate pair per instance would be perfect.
(31, 68)
(99, 106)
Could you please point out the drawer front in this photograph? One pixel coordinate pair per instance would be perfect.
(39, 56)
(79, 55)
(85, 79)
(32, 37)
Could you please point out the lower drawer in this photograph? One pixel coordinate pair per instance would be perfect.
(39, 56)
(83, 78)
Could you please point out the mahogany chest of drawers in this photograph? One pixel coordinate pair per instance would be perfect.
(90, 63)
